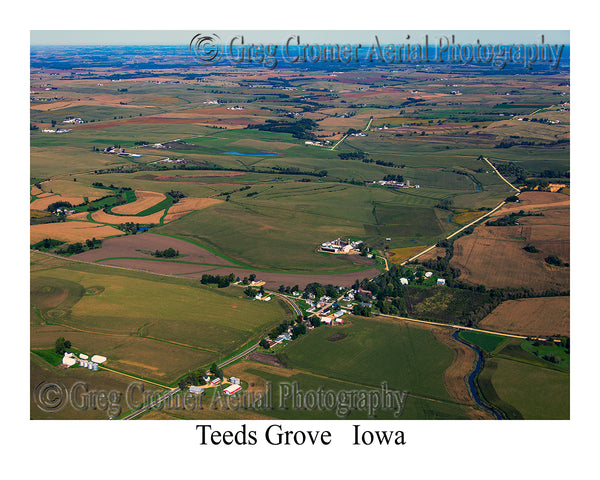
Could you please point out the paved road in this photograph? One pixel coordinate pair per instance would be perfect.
(460, 327)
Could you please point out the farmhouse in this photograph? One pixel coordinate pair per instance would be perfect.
(441, 281)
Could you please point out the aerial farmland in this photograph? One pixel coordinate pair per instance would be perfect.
(183, 226)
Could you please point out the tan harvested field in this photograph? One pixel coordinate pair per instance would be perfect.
(79, 216)
(433, 254)
(71, 232)
(42, 203)
(35, 190)
(144, 200)
(188, 205)
(531, 316)
(142, 244)
(103, 217)
(136, 355)
(494, 256)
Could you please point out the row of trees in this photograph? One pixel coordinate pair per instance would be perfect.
(221, 281)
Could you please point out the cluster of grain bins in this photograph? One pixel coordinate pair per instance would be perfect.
(90, 363)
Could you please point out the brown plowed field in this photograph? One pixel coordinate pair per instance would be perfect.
(188, 205)
(104, 217)
(272, 279)
(141, 244)
(144, 200)
(71, 231)
(494, 256)
(531, 316)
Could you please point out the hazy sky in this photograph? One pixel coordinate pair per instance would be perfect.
(183, 37)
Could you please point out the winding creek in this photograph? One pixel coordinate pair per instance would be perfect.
(473, 376)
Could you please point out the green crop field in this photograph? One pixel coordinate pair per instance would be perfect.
(406, 357)
(526, 391)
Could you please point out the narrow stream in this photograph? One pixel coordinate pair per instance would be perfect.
(473, 376)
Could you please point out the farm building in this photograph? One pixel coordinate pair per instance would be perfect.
(234, 380)
(441, 281)
(404, 281)
(428, 274)
(216, 381)
(69, 359)
(231, 389)
(339, 246)
(98, 359)
(197, 390)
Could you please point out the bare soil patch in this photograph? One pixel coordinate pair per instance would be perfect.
(531, 316)
(336, 337)
(267, 359)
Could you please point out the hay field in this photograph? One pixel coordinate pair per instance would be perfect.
(187, 205)
(531, 316)
(398, 255)
(144, 200)
(71, 232)
(103, 217)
